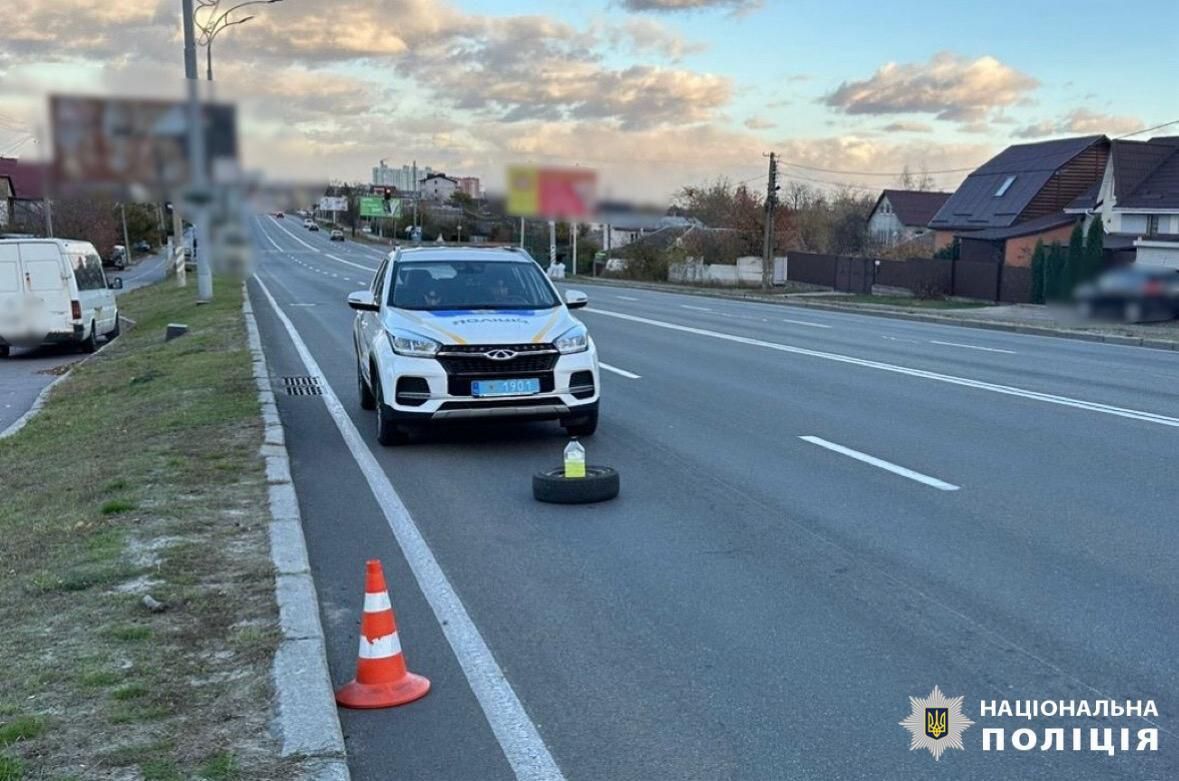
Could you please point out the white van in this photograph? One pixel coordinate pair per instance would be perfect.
(53, 291)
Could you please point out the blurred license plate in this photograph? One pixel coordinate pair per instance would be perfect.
(521, 387)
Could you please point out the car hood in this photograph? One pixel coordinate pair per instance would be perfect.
(484, 326)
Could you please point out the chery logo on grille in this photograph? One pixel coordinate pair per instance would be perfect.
(501, 355)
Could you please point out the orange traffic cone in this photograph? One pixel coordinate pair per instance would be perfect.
(382, 680)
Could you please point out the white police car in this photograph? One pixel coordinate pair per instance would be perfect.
(449, 333)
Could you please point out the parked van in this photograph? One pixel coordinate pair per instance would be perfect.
(53, 291)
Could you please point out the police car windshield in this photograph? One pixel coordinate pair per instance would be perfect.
(470, 284)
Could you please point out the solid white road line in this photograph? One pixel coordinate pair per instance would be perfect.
(621, 372)
(697, 308)
(887, 466)
(517, 735)
(804, 322)
(1007, 390)
(973, 347)
(267, 235)
(293, 236)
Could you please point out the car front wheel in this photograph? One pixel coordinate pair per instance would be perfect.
(367, 399)
(388, 432)
(581, 426)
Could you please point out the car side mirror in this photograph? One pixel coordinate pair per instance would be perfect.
(363, 301)
(575, 299)
(115, 284)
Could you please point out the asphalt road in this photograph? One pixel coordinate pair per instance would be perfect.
(27, 371)
(991, 513)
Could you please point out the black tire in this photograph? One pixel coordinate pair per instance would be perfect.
(388, 432)
(599, 484)
(4, 350)
(582, 426)
(90, 343)
(367, 399)
(118, 329)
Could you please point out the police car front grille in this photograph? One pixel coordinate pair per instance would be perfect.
(471, 361)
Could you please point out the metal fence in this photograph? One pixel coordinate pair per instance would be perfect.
(984, 280)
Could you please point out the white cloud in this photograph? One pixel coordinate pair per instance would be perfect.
(950, 86)
(907, 126)
(1082, 121)
(760, 123)
(666, 6)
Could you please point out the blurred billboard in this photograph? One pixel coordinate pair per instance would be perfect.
(112, 143)
(551, 193)
(333, 203)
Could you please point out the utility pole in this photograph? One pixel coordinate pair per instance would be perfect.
(521, 233)
(126, 238)
(767, 259)
(573, 227)
(552, 242)
(198, 194)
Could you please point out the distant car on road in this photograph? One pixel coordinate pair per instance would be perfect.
(337, 235)
(311, 225)
(54, 291)
(1133, 294)
(118, 257)
(447, 334)
(142, 246)
(279, 216)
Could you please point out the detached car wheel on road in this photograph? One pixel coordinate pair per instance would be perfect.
(599, 484)
(450, 335)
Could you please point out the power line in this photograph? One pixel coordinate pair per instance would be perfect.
(1148, 129)
(876, 173)
(827, 182)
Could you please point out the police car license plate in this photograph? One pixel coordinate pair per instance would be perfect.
(517, 387)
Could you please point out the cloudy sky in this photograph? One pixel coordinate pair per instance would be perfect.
(655, 94)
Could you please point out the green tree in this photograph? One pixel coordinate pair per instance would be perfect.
(1039, 271)
(1075, 265)
(950, 251)
(1056, 279)
(1094, 249)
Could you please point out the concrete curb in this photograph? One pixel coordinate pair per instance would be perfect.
(43, 396)
(802, 303)
(306, 719)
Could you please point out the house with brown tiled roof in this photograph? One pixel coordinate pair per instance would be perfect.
(903, 215)
(1018, 198)
(1137, 201)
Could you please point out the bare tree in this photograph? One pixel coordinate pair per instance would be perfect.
(921, 181)
(91, 218)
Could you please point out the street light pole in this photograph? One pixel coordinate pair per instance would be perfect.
(198, 186)
(216, 22)
(190, 67)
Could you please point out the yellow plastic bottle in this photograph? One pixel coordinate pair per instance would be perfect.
(574, 459)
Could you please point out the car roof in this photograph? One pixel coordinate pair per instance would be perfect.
(444, 253)
(65, 244)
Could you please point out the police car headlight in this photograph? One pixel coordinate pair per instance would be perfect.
(575, 340)
(413, 345)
